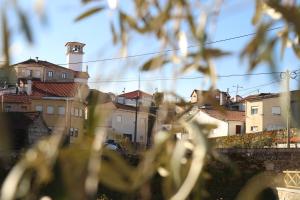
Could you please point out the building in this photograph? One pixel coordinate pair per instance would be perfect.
(264, 112)
(228, 122)
(23, 129)
(57, 92)
(210, 98)
(120, 121)
(130, 98)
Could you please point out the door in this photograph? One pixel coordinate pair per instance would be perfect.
(238, 129)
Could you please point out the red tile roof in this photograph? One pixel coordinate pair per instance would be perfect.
(55, 89)
(16, 98)
(227, 115)
(135, 94)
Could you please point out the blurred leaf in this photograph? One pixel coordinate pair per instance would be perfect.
(114, 33)
(296, 49)
(214, 53)
(258, 11)
(5, 38)
(88, 13)
(154, 63)
(290, 13)
(25, 25)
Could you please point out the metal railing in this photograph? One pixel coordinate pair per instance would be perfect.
(292, 179)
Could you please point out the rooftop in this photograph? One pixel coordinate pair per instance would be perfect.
(135, 94)
(227, 115)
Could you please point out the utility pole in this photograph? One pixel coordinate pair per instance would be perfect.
(136, 112)
(287, 76)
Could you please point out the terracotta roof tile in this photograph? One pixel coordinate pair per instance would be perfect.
(135, 94)
(55, 89)
(227, 115)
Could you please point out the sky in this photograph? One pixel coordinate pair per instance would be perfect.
(50, 38)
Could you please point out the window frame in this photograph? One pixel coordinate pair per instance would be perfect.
(64, 75)
(253, 108)
(254, 128)
(41, 110)
(59, 110)
(50, 113)
(274, 113)
(50, 74)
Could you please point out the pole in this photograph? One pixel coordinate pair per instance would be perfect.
(136, 113)
(288, 108)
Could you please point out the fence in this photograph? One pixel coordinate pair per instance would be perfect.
(292, 179)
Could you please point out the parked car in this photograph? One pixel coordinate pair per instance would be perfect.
(112, 145)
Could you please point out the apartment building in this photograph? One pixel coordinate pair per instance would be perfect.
(59, 93)
(264, 112)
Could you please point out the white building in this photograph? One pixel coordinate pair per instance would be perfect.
(227, 122)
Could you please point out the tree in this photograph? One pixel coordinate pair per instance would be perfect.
(170, 22)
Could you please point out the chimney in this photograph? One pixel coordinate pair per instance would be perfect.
(29, 87)
(74, 55)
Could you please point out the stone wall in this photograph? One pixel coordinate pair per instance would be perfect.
(274, 159)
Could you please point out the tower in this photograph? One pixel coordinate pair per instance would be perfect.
(74, 55)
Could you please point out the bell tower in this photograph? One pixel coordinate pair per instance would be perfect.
(74, 55)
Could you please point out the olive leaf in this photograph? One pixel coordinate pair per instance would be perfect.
(214, 53)
(5, 38)
(88, 13)
(154, 63)
(25, 25)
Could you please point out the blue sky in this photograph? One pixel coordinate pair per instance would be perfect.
(234, 20)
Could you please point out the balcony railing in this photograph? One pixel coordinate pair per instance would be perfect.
(292, 179)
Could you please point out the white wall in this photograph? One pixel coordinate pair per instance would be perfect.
(232, 127)
(222, 127)
(127, 124)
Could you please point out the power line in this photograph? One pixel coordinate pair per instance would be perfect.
(184, 78)
(168, 50)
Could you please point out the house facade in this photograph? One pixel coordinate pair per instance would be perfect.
(212, 98)
(120, 121)
(264, 112)
(227, 122)
(131, 98)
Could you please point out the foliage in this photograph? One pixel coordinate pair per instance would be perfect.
(253, 140)
(179, 163)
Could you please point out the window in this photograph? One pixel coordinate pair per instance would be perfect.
(254, 128)
(72, 111)
(7, 108)
(39, 108)
(254, 110)
(75, 132)
(50, 74)
(76, 112)
(119, 118)
(64, 75)
(71, 131)
(80, 112)
(50, 110)
(276, 110)
(61, 110)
